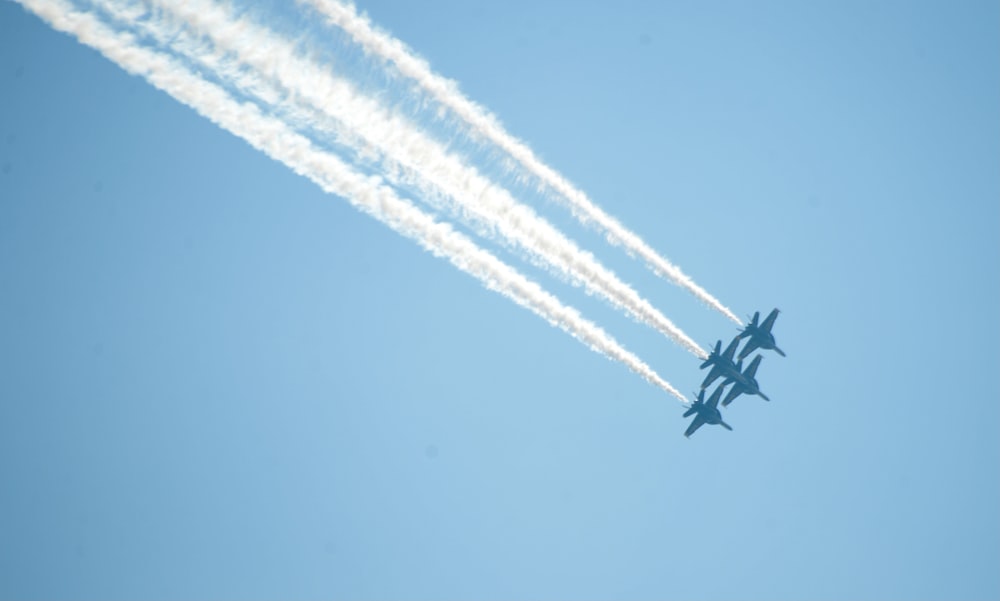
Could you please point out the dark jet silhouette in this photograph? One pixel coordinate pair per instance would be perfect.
(722, 364)
(707, 413)
(743, 382)
(760, 335)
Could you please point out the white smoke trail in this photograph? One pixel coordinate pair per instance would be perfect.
(429, 167)
(275, 139)
(485, 124)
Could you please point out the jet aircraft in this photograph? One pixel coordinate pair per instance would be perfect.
(760, 335)
(744, 382)
(707, 413)
(722, 364)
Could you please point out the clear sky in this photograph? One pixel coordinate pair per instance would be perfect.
(217, 381)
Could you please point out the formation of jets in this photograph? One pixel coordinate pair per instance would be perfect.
(758, 336)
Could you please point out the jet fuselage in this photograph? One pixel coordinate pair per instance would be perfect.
(721, 362)
(705, 412)
(765, 340)
(760, 336)
(744, 383)
(749, 385)
(711, 415)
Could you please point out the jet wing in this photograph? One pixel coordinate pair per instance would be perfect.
(714, 373)
(698, 421)
(750, 347)
(713, 401)
(769, 321)
(752, 370)
(734, 392)
(731, 349)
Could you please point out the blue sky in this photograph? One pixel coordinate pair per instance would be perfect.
(220, 382)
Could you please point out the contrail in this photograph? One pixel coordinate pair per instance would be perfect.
(427, 165)
(368, 194)
(485, 124)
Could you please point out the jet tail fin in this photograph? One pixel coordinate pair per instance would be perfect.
(689, 412)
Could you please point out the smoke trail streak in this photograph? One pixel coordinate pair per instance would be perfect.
(275, 139)
(486, 125)
(425, 163)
